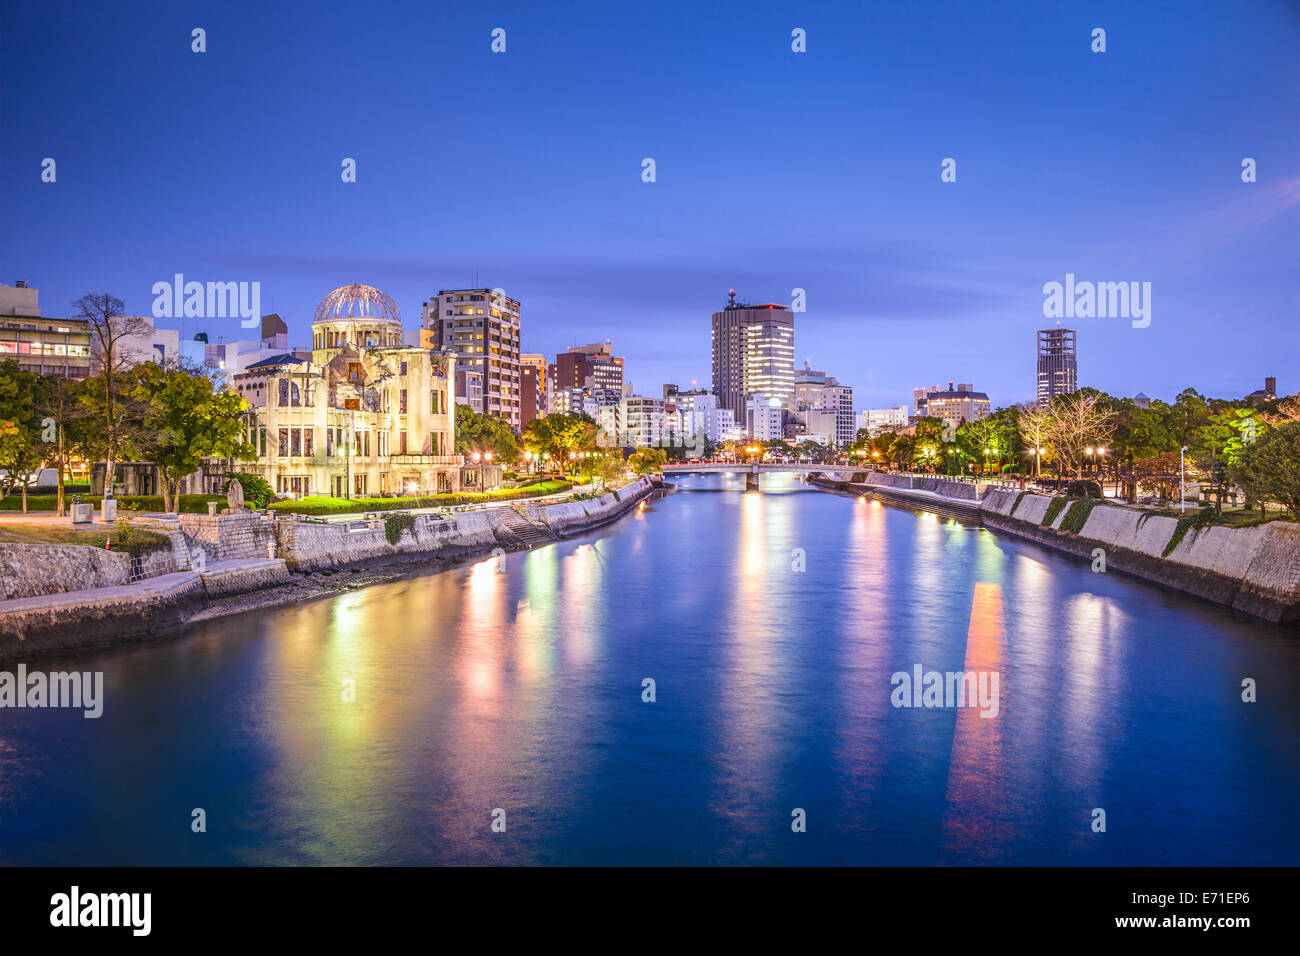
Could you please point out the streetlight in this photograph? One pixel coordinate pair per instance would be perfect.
(1182, 481)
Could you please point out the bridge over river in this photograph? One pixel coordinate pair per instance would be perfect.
(751, 470)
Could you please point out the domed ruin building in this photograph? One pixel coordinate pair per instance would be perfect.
(365, 416)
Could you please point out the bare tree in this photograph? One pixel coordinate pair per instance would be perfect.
(1289, 411)
(1077, 423)
(1035, 422)
(109, 329)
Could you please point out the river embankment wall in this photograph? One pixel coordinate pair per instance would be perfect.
(62, 597)
(565, 518)
(1255, 569)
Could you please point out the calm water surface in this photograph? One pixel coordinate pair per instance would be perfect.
(478, 689)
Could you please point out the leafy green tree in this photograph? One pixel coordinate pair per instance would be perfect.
(23, 450)
(1269, 468)
(1141, 434)
(606, 468)
(647, 460)
(186, 419)
(1189, 413)
(562, 434)
(485, 434)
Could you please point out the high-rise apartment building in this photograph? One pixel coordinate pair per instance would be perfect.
(1058, 370)
(764, 418)
(594, 369)
(532, 386)
(481, 328)
(824, 406)
(753, 352)
(698, 413)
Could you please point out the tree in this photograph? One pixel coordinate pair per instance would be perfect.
(1140, 434)
(57, 400)
(606, 468)
(562, 434)
(1220, 442)
(991, 439)
(1034, 423)
(485, 434)
(257, 490)
(22, 452)
(1162, 472)
(1287, 410)
(1079, 421)
(1269, 468)
(187, 419)
(110, 329)
(647, 460)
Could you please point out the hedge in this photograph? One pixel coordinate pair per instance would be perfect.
(1077, 516)
(1053, 510)
(69, 488)
(335, 506)
(190, 504)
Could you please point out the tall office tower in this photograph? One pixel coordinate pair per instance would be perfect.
(1058, 370)
(532, 383)
(593, 368)
(753, 352)
(481, 327)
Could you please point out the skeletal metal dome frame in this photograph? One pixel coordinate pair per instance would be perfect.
(358, 301)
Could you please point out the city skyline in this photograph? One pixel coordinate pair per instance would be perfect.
(907, 278)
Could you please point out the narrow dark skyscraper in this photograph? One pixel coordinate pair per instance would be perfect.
(1058, 369)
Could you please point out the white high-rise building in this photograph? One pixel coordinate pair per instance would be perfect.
(819, 398)
(698, 412)
(764, 417)
(635, 422)
(877, 420)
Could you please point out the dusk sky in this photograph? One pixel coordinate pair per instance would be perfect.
(775, 170)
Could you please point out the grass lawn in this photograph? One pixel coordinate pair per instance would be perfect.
(190, 504)
(335, 506)
(141, 541)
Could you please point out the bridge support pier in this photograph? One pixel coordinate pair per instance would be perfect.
(751, 479)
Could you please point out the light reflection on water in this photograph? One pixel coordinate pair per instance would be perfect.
(477, 689)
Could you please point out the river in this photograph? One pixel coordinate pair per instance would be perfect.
(388, 724)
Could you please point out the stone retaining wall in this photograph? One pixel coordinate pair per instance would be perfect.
(1254, 569)
(238, 536)
(57, 622)
(310, 546)
(575, 517)
(939, 485)
(27, 570)
(221, 582)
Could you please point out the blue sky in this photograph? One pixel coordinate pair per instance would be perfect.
(775, 170)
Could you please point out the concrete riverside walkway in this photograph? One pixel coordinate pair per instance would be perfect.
(149, 590)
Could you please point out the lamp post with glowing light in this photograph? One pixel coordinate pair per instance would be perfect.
(1182, 481)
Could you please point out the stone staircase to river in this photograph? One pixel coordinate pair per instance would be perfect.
(515, 531)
